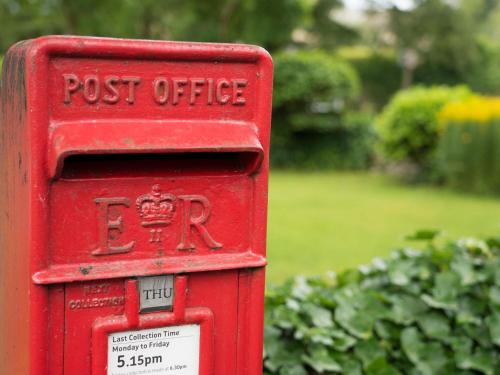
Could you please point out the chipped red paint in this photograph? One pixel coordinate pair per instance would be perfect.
(121, 159)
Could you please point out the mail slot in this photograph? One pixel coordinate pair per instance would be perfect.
(134, 200)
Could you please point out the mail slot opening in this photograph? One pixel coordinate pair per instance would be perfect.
(131, 165)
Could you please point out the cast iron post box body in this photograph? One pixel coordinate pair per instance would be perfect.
(122, 160)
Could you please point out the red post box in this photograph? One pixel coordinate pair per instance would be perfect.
(133, 202)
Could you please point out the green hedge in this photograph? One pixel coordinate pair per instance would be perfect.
(469, 157)
(408, 124)
(419, 312)
(312, 128)
(350, 146)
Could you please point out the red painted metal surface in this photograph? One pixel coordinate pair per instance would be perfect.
(122, 159)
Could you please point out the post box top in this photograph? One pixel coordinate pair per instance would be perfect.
(86, 77)
(98, 47)
(99, 85)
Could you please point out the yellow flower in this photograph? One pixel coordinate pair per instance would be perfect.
(475, 109)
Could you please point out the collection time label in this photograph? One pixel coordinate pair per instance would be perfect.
(162, 351)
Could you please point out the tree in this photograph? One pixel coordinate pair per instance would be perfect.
(266, 23)
(438, 33)
(326, 29)
(263, 22)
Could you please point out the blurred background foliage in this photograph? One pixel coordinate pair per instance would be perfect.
(339, 63)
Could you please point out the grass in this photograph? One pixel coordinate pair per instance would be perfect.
(333, 221)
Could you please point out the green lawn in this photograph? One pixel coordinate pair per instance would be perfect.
(332, 221)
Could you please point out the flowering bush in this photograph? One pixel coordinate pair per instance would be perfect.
(475, 109)
(469, 148)
(408, 124)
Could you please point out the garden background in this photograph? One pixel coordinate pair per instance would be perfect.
(386, 123)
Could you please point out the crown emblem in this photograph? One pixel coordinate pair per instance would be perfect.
(156, 208)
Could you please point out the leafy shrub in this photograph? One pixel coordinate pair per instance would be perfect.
(312, 94)
(469, 148)
(379, 73)
(311, 80)
(408, 124)
(418, 312)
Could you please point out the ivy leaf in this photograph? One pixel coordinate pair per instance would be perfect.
(301, 289)
(286, 318)
(497, 272)
(493, 323)
(423, 235)
(445, 291)
(429, 357)
(475, 246)
(369, 351)
(381, 367)
(350, 365)
(411, 343)
(271, 340)
(493, 242)
(293, 370)
(349, 277)
(464, 267)
(315, 335)
(462, 347)
(494, 296)
(479, 333)
(470, 310)
(387, 330)
(342, 341)
(353, 303)
(400, 273)
(482, 360)
(355, 322)
(434, 325)
(320, 316)
(320, 360)
(406, 308)
(282, 354)
(292, 304)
